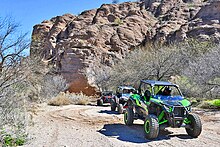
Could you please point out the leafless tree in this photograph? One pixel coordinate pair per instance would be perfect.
(205, 72)
(12, 73)
(12, 47)
(22, 79)
(157, 63)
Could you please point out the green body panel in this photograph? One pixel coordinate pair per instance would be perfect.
(137, 98)
(185, 103)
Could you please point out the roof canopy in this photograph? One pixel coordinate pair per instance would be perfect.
(126, 87)
(161, 83)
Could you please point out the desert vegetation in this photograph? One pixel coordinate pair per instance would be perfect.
(69, 98)
(194, 65)
(23, 80)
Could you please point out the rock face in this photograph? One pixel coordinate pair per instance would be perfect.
(74, 44)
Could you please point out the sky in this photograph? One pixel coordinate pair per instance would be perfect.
(30, 12)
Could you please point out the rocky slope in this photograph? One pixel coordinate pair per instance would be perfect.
(74, 44)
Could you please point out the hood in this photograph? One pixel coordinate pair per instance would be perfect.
(173, 100)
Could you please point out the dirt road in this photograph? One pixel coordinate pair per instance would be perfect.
(73, 126)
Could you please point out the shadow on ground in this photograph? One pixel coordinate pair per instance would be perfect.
(109, 112)
(104, 105)
(135, 133)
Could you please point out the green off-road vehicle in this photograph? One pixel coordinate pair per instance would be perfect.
(161, 104)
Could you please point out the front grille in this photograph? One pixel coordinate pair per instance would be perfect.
(178, 111)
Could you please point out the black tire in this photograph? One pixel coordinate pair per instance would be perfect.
(129, 117)
(195, 126)
(151, 127)
(99, 102)
(113, 105)
(120, 108)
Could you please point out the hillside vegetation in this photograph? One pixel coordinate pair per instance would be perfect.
(193, 65)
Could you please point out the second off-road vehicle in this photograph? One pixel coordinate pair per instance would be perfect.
(122, 95)
(161, 104)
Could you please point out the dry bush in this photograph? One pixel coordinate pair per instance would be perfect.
(13, 117)
(22, 81)
(205, 72)
(60, 100)
(52, 85)
(69, 98)
(78, 98)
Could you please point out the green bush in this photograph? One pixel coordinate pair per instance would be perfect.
(215, 102)
(211, 104)
(12, 140)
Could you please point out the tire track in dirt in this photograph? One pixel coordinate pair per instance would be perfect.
(97, 126)
(81, 116)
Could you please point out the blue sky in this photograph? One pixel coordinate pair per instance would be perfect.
(31, 12)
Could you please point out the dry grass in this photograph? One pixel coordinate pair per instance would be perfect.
(69, 98)
(83, 102)
(60, 100)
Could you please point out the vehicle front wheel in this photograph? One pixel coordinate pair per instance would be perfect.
(129, 117)
(151, 127)
(113, 105)
(195, 125)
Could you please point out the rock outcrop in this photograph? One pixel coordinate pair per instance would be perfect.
(77, 43)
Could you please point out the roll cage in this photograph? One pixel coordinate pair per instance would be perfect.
(156, 86)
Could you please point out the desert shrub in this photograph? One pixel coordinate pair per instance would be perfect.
(12, 139)
(52, 85)
(60, 100)
(79, 98)
(211, 104)
(188, 88)
(69, 98)
(205, 72)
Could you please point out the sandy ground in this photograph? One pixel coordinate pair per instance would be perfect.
(88, 126)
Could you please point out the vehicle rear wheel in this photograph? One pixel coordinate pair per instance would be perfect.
(99, 102)
(195, 126)
(113, 105)
(129, 117)
(151, 127)
(120, 108)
